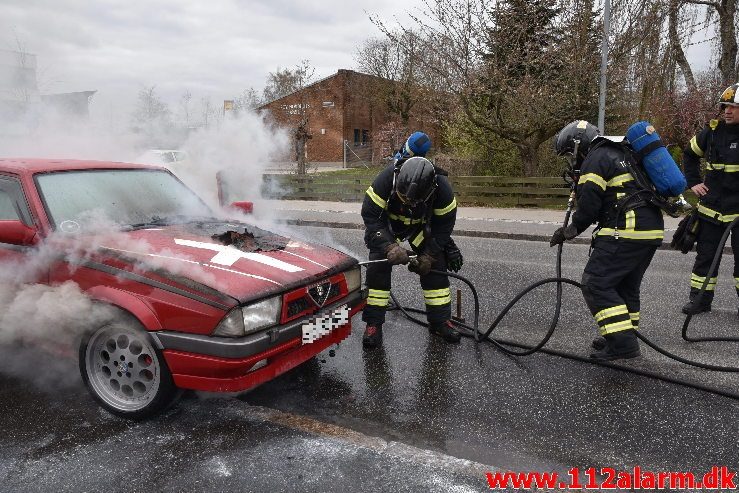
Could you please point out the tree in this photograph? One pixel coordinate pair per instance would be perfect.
(511, 68)
(208, 112)
(185, 107)
(249, 99)
(398, 62)
(151, 113)
(728, 18)
(676, 43)
(282, 83)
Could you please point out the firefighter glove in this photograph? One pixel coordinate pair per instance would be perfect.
(396, 254)
(421, 265)
(562, 234)
(454, 259)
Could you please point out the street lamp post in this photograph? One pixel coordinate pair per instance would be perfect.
(603, 66)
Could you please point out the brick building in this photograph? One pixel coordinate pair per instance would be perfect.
(343, 115)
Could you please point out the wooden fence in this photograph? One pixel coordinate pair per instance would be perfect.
(470, 190)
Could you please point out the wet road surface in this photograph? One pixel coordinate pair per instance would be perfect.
(415, 415)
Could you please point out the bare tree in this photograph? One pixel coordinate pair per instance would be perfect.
(398, 62)
(728, 17)
(676, 44)
(151, 113)
(207, 111)
(511, 68)
(185, 100)
(249, 99)
(282, 83)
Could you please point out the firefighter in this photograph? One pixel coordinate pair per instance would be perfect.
(410, 200)
(718, 144)
(624, 241)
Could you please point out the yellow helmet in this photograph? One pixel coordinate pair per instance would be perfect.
(730, 96)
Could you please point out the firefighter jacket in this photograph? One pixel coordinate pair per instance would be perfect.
(428, 227)
(608, 195)
(718, 144)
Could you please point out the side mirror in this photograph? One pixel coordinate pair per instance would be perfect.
(17, 233)
(243, 206)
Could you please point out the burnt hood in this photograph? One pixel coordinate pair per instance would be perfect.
(236, 259)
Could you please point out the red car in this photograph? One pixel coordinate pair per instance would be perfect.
(202, 303)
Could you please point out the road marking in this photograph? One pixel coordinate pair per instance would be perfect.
(424, 457)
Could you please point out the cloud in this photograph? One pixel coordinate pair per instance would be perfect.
(215, 48)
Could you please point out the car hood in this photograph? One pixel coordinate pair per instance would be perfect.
(211, 255)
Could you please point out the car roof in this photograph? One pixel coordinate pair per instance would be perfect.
(35, 165)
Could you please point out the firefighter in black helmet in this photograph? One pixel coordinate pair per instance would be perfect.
(410, 200)
(718, 144)
(624, 241)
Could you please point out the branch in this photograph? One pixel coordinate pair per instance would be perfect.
(705, 2)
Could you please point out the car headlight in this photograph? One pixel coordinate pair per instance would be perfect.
(262, 314)
(353, 279)
(247, 319)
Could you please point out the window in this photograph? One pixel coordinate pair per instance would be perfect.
(7, 207)
(126, 196)
(365, 137)
(356, 136)
(12, 202)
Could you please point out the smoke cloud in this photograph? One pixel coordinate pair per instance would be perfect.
(41, 325)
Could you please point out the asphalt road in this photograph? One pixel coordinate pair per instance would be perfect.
(415, 415)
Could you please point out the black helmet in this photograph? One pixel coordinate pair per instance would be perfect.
(575, 138)
(730, 96)
(416, 181)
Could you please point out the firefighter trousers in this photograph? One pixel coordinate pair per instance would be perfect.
(436, 293)
(611, 282)
(707, 242)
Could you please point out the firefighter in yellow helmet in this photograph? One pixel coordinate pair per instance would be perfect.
(718, 144)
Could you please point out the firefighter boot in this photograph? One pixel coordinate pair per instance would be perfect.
(446, 330)
(372, 336)
(621, 345)
(692, 308)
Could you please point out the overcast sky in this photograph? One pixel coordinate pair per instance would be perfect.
(213, 48)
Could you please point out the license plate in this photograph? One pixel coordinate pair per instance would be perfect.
(315, 329)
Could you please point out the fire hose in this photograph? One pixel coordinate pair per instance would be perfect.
(473, 331)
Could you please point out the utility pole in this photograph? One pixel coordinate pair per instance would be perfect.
(603, 66)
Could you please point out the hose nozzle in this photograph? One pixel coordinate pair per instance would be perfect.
(367, 262)
(683, 204)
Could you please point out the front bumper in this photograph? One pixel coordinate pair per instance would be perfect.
(220, 364)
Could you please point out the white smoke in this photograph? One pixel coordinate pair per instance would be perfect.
(41, 325)
(55, 134)
(40, 330)
(240, 148)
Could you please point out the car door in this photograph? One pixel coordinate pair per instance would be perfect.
(13, 207)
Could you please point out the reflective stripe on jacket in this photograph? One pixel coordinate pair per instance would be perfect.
(604, 179)
(718, 144)
(394, 220)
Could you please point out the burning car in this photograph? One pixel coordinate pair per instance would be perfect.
(202, 303)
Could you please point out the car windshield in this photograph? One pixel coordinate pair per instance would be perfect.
(133, 197)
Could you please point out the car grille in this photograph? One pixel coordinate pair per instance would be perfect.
(308, 300)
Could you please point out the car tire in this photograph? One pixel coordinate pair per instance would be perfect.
(124, 370)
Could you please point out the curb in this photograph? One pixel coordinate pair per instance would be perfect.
(464, 232)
